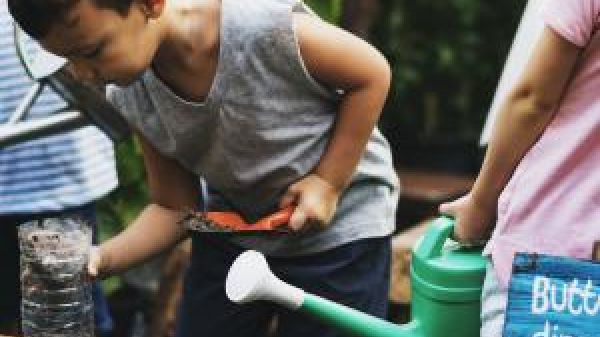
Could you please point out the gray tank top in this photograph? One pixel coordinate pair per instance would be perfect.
(263, 125)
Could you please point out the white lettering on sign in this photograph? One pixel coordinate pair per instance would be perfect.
(591, 300)
(562, 297)
(550, 330)
(539, 294)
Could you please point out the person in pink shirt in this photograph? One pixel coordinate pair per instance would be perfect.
(540, 180)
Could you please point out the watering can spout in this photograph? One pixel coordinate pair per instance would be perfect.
(250, 279)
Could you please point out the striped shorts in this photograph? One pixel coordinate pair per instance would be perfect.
(493, 305)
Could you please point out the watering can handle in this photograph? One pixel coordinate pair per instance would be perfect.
(433, 241)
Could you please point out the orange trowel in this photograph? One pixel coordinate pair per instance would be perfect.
(232, 222)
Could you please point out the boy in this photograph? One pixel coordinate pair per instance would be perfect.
(272, 107)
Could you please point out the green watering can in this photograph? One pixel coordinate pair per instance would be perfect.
(446, 281)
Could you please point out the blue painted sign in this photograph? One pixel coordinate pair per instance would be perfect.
(553, 296)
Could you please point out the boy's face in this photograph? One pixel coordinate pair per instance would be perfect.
(103, 46)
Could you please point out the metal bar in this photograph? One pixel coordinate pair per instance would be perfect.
(26, 103)
(26, 130)
(91, 102)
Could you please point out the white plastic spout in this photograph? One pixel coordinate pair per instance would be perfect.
(250, 279)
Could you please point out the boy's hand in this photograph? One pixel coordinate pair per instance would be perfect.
(473, 222)
(95, 263)
(316, 201)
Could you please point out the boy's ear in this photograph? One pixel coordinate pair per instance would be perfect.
(152, 8)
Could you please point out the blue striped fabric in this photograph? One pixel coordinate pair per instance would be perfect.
(52, 173)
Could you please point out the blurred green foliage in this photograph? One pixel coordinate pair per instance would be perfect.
(330, 10)
(123, 204)
(446, 58)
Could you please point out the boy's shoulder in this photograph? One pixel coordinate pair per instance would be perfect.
(259, 29)
(248, 18)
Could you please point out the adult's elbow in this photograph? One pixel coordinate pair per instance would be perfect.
(532, 101)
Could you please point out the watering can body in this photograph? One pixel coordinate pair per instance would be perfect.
(446, 281)
(446, 278)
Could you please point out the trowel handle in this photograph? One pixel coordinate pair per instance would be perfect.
(277, 219)
(433, 241)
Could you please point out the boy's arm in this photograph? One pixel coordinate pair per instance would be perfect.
(527, 111)
(172, 190)
(338, 60)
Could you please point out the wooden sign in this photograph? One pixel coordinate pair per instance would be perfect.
(553, 297)
(596, 253)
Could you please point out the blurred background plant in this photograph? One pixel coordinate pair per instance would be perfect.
(446, 58)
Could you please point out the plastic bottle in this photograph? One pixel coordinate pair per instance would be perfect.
(56, 296)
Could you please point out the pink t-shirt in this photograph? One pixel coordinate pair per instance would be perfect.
(551, 204)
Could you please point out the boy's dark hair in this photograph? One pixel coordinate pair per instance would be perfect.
(37, 17)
